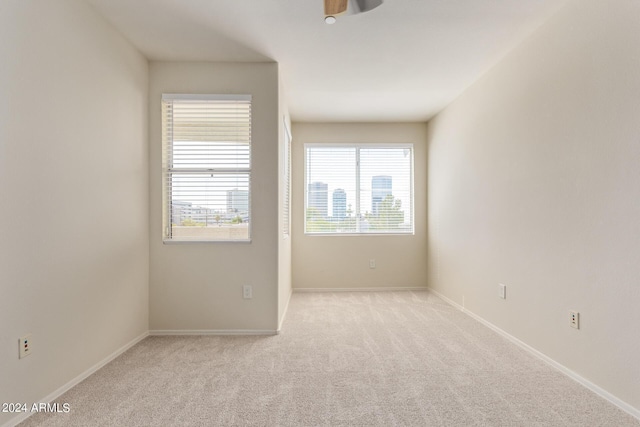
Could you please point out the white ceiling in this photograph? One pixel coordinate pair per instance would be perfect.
(404, 61)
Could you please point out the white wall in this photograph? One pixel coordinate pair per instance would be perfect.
(534, 182)
(198, 286)
(74, 194)
(343, 261)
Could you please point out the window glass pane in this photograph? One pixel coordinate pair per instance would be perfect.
(331, 189)
(210, 155)
(385, 189)
(209, 206)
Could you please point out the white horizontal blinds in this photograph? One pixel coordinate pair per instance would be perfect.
(330, 189)
(286, 227)
(386, 189)
(358, 189)
(207, 141)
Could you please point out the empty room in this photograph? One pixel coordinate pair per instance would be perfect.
(319, 212)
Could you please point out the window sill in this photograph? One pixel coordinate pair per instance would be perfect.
(198, 242)
(408, 233)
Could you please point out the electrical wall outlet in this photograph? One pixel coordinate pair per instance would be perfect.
(24, 344)
(502, 291)
(372, 263)
(247, 292)
(574, 319)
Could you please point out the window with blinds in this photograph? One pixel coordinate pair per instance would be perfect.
(206, 167)
(286, 198)
(359, 189)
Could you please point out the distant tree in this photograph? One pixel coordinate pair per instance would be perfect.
(189, 222)
(317, 222)
(389, 216)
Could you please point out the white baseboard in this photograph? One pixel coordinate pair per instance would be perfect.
(162, 332)
(77, 380)
(568, 372)
(380, 289)
(447, 300)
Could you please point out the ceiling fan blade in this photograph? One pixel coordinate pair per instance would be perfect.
(335, 7)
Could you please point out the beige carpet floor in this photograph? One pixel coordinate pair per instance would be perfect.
(357, 359)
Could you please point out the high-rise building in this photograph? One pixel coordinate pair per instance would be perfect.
(317, 198)
(180, 211)
(238, 201)
(339, 203)
(381, 187)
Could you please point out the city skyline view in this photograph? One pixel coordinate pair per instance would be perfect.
(318, 197)
(347, 181)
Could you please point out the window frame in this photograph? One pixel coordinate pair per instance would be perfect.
(358, 147)
(168, 170)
